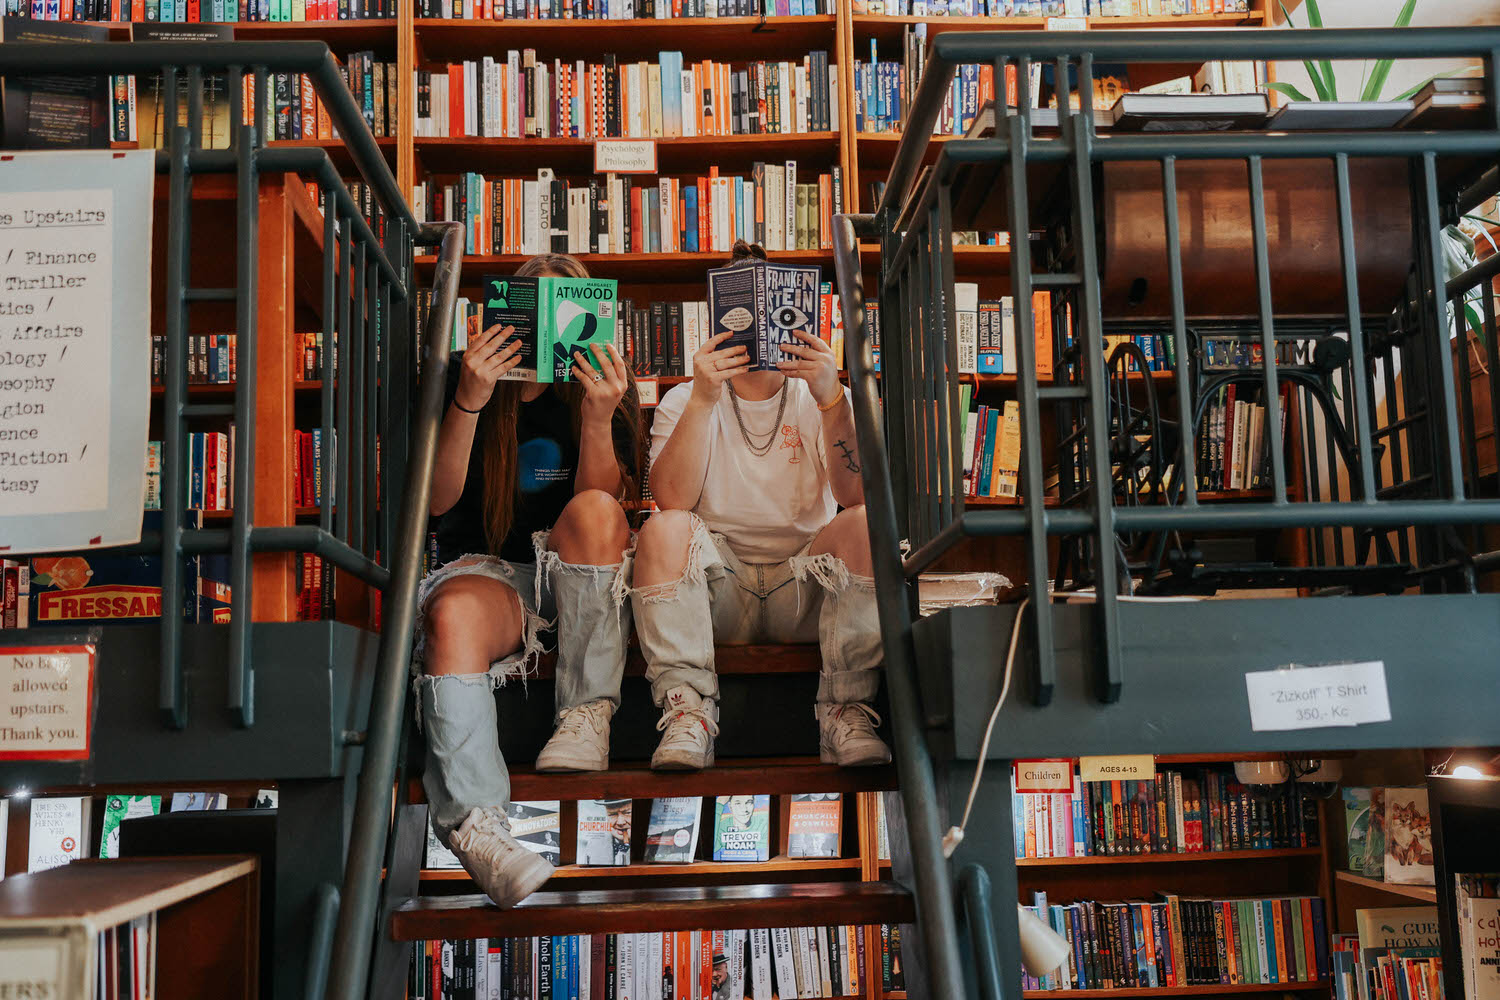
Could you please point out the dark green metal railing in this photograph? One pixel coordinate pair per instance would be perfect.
(913, 442)
(368, 309)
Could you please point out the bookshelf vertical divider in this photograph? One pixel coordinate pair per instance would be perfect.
(274, 573)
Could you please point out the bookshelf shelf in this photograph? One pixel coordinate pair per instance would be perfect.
(707, 869)
(1425, 893)
(372, 33)
(749, 776)
(702, 37)
(887, 28)
(1216, 989)
(637, 267)
(1171, 859)
(504, 156)
(214, 390)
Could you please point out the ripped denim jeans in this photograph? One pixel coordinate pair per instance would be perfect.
(807, 598)
(457, 711)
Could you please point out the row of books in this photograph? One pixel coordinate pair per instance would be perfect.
(212, 358)
(1477, 902)
(624, 214)
(1179, 941)
(519, 95)
(200, 11)
(741, 830)
(758, 964)
(317, 588)
(659, 339)
(60, 828)
(992, 442)
(125, 960)
(1048, 8)
(1396, 953)
(1178, 812)
(1234, 447)
(1389, 834)
(985, 332)
(616, 10)
(308, 463)
(99, 588)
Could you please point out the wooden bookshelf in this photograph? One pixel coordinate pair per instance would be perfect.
(1091, 861)
(1315, 986)
(1421, 893)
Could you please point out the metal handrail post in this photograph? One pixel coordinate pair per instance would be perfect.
(349, 967)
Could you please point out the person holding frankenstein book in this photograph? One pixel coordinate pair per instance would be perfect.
(751, 462)
(527, 486)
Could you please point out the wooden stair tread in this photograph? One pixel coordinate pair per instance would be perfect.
(655, 909)
(748, 776)
(778, 659)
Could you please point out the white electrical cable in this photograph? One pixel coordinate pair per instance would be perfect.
(955, 834)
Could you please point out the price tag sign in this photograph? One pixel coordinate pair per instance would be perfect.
(646, 389)
(625, 156)
(49, 702)
(1067, 24)
(1120, 767)
(1051, 775)
(1344, 694)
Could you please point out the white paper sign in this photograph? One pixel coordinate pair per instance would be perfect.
(625, 156)
(1117, 767)
(48, 697)
(1067, 24)
(75, 349)
(647, 390)
(1346, 694)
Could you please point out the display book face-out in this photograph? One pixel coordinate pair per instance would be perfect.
(552, 317)
(762, 305)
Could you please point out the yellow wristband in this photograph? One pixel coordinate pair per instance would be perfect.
(835, 401)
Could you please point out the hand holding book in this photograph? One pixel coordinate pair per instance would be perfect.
(486, 360)
(604, 382)
(814, 363)
(713, 366)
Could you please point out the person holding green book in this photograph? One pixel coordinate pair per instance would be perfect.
(527, 485)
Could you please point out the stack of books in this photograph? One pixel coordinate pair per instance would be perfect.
(617, 10)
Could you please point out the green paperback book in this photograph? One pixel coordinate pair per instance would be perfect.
(123, 807)
(552, 317)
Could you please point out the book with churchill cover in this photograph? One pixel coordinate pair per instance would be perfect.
(762, 305)
(552, 317)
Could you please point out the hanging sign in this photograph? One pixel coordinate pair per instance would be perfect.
(1052, 775)
(624, 156)
(75, 347)
(1344, 694)
(1126, 767)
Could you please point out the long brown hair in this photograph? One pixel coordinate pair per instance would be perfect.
(497, 424)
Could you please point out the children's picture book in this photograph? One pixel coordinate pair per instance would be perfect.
(1375, 836)
(742, 828)
(538, 826)
(1408, 836)
(1356, 827)
(761, 305)
(438, 854)
(553, 317)
(816, 825)
(59, 832)
(123, 807)
(198, 801)
(672, 835)
(604, 832)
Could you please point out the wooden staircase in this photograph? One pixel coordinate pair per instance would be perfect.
(768, 746)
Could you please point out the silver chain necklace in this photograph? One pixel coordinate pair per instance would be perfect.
(758, 450)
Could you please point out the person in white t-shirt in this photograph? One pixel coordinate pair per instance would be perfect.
(750, 469)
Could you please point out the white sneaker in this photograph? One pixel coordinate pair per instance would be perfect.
(581, 742)
(498, 863)
(691, 723)
(846, 735)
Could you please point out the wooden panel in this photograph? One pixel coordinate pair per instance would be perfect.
(629, 910)
(107, 893)
(275, 592)
(1215, 218)
(727, 777)
(211, 938)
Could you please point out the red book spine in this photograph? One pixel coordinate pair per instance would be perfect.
(635, 220)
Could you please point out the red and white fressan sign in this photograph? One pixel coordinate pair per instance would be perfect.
(48, 706)
(1049, 775)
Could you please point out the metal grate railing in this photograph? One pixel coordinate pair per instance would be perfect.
(1380, 477)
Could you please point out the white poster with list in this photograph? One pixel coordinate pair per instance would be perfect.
(75, 348)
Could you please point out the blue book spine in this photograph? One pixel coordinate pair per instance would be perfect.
(671, 91)
(195, 498)
(1268, 920)
(1018, 821)
(1075, 937)
(690, 217)
(1320, 938)
(1080, 838)
(991, 424)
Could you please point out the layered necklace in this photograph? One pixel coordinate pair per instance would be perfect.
(759, 450)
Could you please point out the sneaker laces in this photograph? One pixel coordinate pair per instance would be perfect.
(681, 723)
(491, 831)
(594, 714)
(860, 723)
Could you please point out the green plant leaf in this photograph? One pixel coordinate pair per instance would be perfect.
(1313, 72)
(1330, 82)
(1383, 67)
(1407, 95)
(1314, 15)
(1289, 91)
(1475, 323)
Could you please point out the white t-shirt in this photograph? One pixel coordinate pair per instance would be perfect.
(768, 506)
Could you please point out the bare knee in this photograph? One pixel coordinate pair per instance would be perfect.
(591, 531)
(470, 622)
(847, 537)
(661, 548)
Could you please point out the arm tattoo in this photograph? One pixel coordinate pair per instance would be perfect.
(847, 455)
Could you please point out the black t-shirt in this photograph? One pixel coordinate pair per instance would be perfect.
(546, 461)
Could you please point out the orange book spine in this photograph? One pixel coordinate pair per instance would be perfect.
(1041, 312)
(1280, 929)
(825, 211)
(682, 978)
